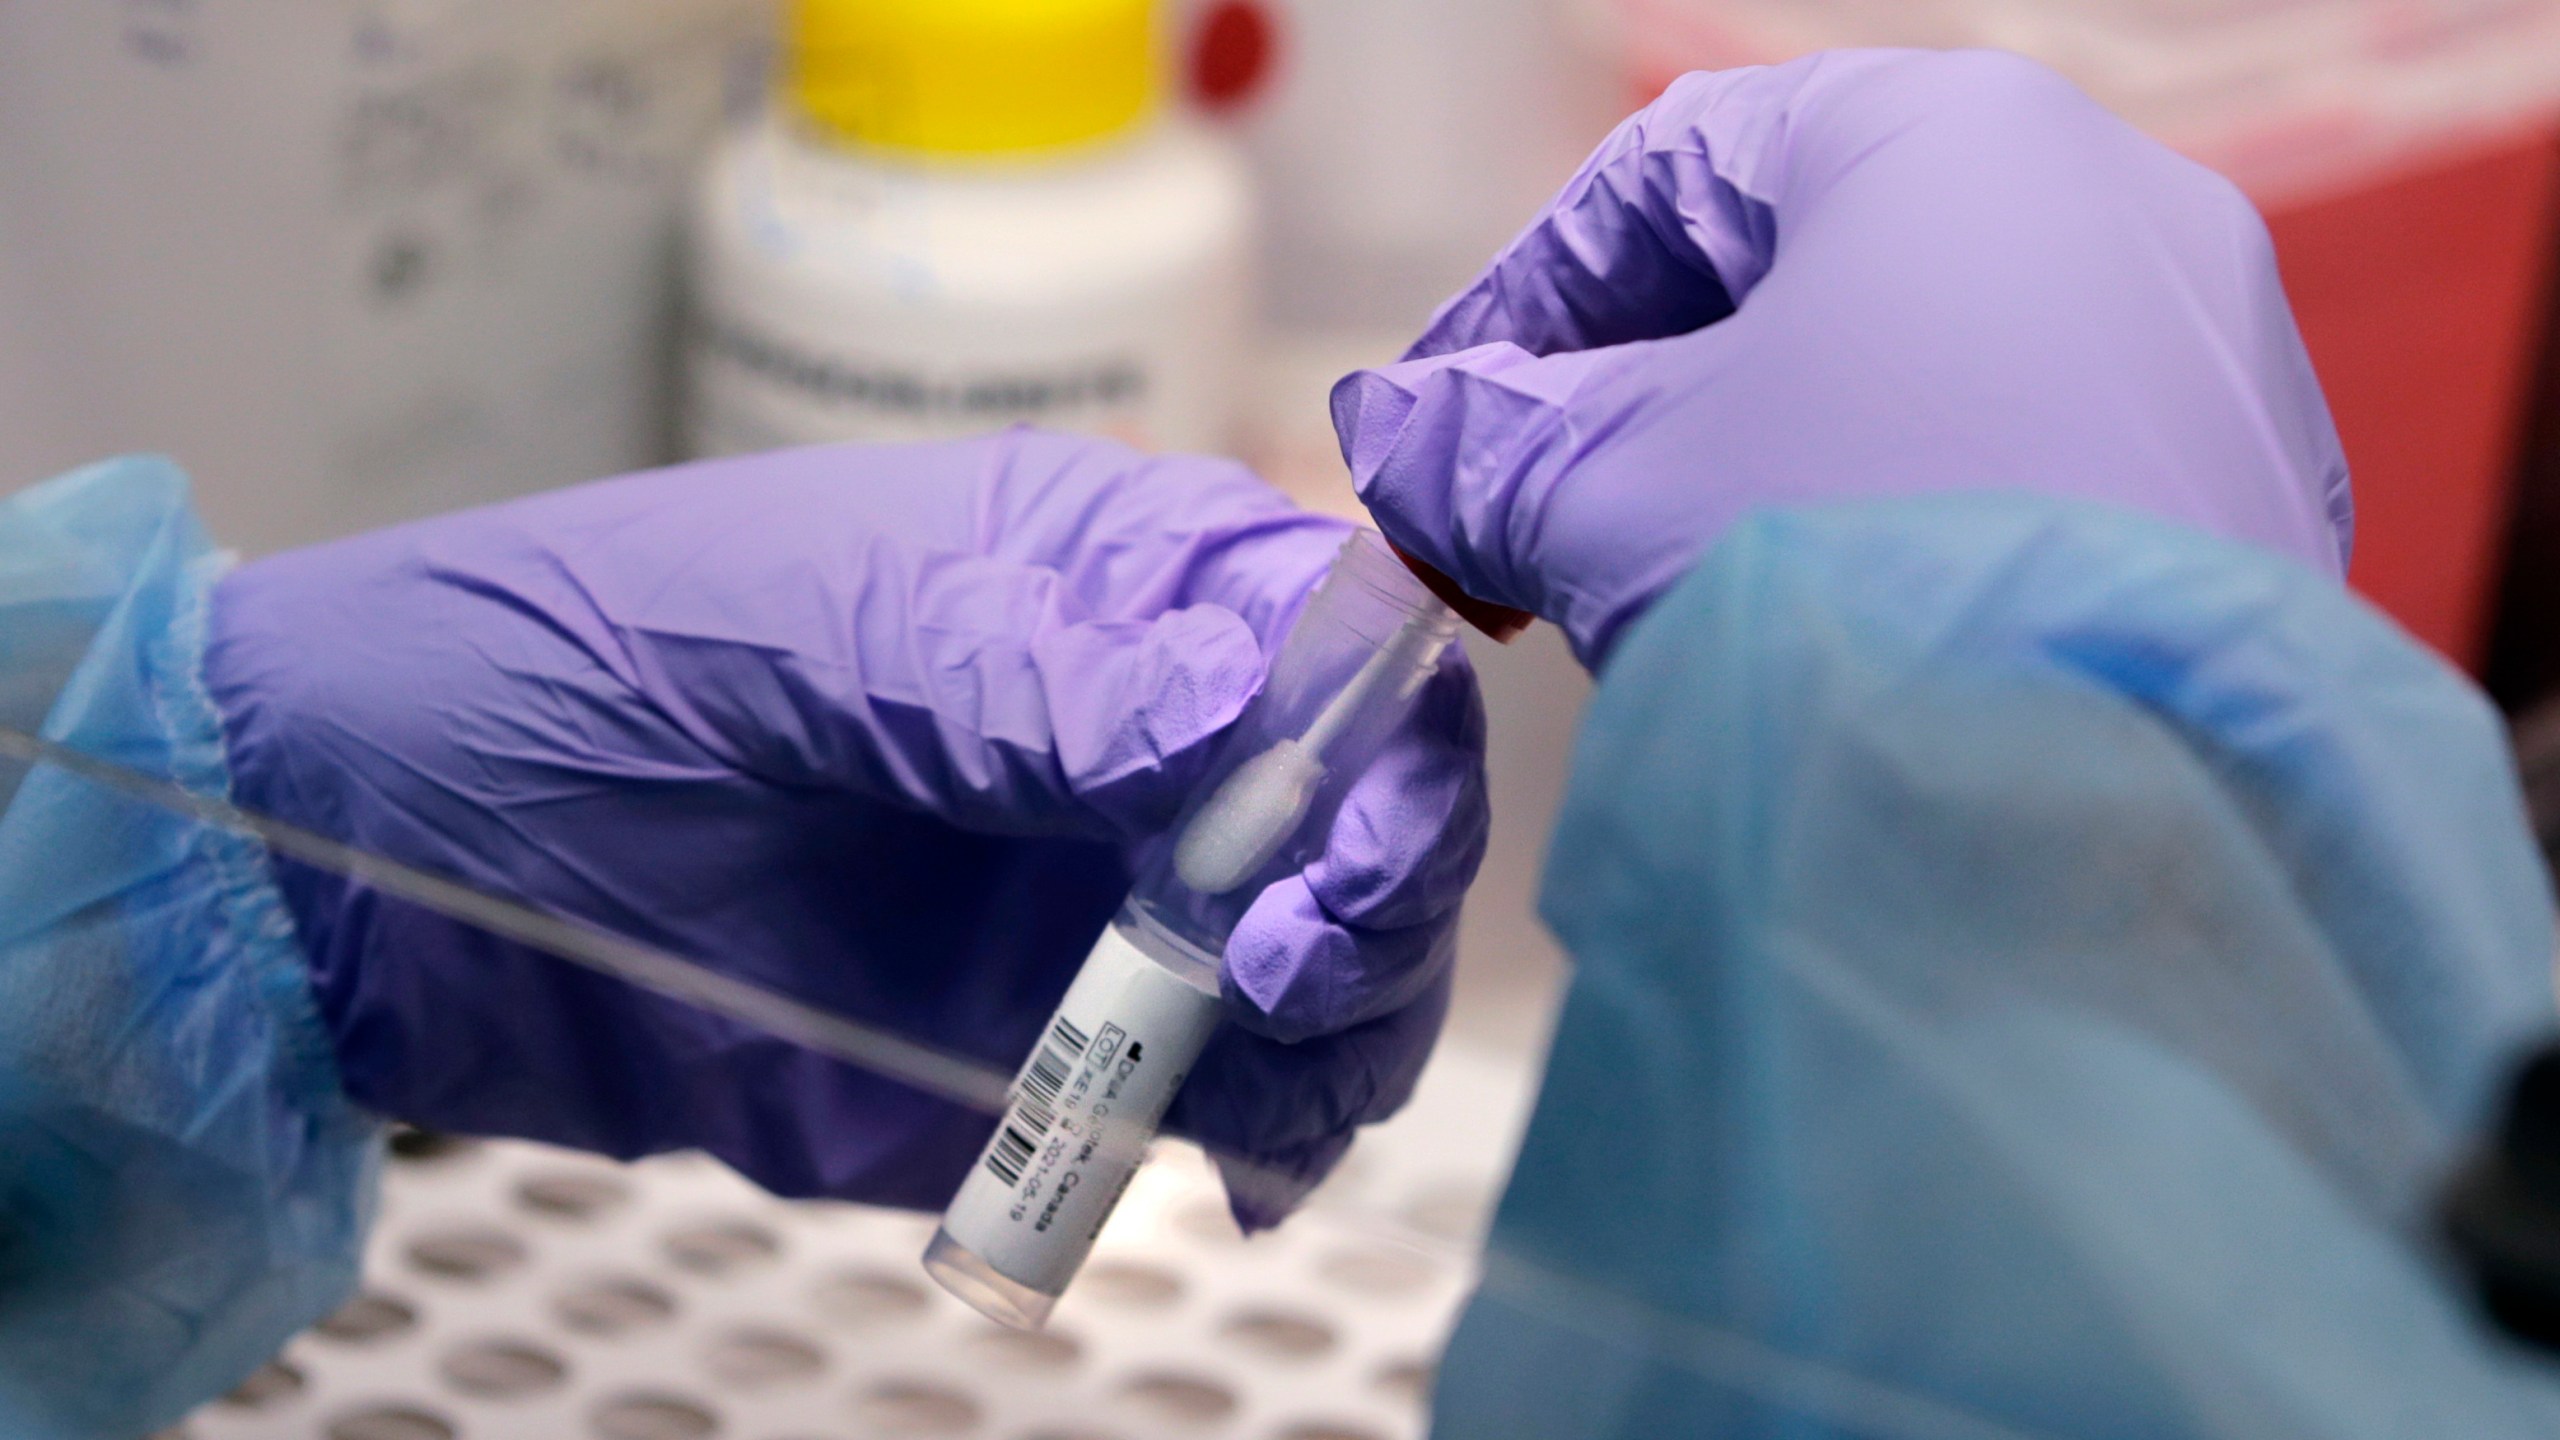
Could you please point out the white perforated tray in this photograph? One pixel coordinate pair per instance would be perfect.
(518, 1292)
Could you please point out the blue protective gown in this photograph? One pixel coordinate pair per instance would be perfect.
(182, 1184)
(2034, 965)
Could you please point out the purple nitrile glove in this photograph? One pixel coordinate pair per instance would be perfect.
(1863, 273)
(874, 726)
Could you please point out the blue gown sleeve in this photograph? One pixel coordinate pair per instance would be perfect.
(182, 1183)
(2034, 965)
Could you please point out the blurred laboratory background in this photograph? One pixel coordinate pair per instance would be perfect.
(358, 261)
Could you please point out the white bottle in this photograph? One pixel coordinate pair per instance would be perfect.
(961, 214)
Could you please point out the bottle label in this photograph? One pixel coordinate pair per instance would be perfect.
(755, 389)
(1082, 1111)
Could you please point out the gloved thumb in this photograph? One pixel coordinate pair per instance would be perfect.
(1461, 459)
(1134, 707)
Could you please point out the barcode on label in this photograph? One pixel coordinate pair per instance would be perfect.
(1036, 1100)
(1068, 1037)
(1047, 1075)
(1012, 1151)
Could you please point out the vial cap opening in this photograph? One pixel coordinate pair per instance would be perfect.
(1504, 623)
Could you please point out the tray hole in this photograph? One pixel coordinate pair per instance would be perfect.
(1450, 1211)
(653, 1417)
(1407, 1381)
(1130, 1284)
(470, 1255)
(1026, 1349)
(756, 1359)
(1179, 1399)
(901, 1229)
(721, 1247)
(613, 1307)
(391, 1422)
(569, 1195)
(1377, 1270)
(1210, 1222)
(868, 1297)
(269, 1385)
(368, 1319)
(916, 1407)
(1279, 1334)
(503, 1369)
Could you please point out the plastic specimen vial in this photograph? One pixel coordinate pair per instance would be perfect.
(1087, 1101)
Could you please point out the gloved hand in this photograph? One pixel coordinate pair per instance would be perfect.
(875, 726)
(1862, 273)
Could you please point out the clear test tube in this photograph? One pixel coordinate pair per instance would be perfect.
(1087, 1101)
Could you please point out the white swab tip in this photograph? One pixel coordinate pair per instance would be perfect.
(1249, 818)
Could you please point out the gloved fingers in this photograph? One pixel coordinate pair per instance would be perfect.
(1132, 708)
(1371, 921)
(1286, 1111)
(1130, 535)
(989, 631)
(964, 686)
(1295, 971)
(1680, 214)
(1460, 458)
(1410, 832)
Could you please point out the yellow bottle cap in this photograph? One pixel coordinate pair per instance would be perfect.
(973, 77)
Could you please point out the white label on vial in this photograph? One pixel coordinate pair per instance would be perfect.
(1084, 1107)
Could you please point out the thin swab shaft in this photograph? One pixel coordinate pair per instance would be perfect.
(969, 1082)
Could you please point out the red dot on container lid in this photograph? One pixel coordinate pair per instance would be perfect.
(1231, 53)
